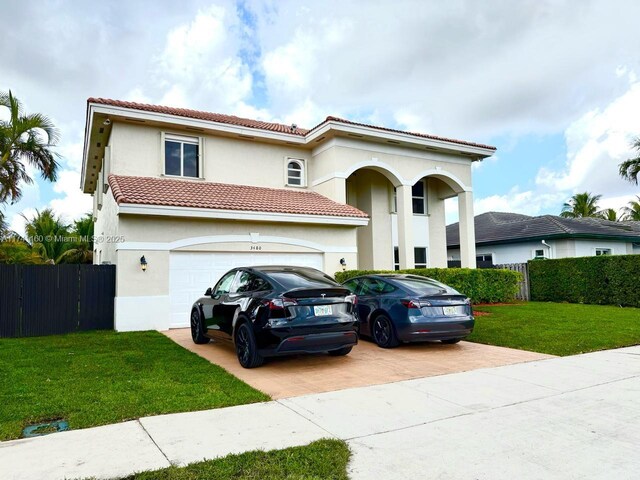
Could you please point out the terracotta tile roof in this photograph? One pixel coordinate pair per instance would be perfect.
(212, 117)
(260, 125)
(222, 196)
(413, 134)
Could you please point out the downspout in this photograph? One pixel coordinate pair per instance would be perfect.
(548, 246)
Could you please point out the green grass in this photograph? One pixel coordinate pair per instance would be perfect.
(322, 460)
(558, 328)
(96, 378)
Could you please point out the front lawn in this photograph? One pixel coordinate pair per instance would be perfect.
(557, 328)
(324, 459)
(96, 378)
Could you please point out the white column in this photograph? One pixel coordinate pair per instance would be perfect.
(467, 230)
(405, 227)
(437, 225)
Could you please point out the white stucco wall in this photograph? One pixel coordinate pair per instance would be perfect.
(136, 150)
(587, 248)
(105, 230)
(342, 156)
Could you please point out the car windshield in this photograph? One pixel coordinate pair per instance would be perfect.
(301, 279)
(425, 286)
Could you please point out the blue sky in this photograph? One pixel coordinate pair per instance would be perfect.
(552, 84)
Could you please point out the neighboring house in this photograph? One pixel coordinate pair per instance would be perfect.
(198, 193)
(515, 238)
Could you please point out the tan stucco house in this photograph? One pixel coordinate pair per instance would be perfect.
(198, 193)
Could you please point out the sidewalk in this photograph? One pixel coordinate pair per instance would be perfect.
(571, 417)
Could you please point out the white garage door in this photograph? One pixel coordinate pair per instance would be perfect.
(191, 273)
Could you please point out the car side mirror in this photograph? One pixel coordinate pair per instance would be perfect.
(208, 292)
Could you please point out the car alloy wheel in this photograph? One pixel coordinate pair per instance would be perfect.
(242, 346)
(383, 333)
(246, 348)
(197, 334)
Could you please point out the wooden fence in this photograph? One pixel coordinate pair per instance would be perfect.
(40, 300)
(524, 290)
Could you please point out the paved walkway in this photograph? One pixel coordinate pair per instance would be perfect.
(560, 418)
(366, 365)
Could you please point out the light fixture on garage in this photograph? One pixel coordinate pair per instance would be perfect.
(143, 263)
(343, 262)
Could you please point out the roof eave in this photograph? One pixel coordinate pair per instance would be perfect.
(474, 151)
(169, 118)
(557, 236)
(221, 214)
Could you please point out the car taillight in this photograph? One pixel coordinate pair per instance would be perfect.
(351, 299)
(415, 303)
(410, 304)
(280, 303)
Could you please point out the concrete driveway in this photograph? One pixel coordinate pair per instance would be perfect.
(367, 364)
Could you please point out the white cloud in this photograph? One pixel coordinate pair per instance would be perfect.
(596, 144)
(74, 204)
(464, 68)
(18, 222)
(528, 202)
(201, 65)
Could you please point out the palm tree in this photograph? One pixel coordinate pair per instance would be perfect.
(24, 138)
(632, 210)
(609, 214)
(630, 169)
(3, 225)
(81, 247)
(16, 250)
(581, 205)
(48, 235)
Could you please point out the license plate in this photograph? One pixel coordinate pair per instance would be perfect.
(450, 310)
(320, 310)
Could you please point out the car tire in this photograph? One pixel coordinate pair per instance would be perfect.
(340, 352)
(451, 341)
(246, 347)
(383, 332)
(197, 331)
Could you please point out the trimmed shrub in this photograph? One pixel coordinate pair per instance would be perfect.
(603, 280)
(481, 285)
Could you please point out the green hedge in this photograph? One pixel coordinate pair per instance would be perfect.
(482, 285)
(604, 280)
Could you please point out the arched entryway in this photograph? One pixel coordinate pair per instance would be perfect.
(371, 189)
(407, 227)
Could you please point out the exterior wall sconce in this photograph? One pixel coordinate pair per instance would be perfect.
(143, 263)
(343, 262)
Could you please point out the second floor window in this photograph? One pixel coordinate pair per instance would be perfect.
(419, 198)
(295, 173)
(181, 156)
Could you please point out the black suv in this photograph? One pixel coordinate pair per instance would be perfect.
(269, 311)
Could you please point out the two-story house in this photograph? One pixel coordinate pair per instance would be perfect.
(194, 194)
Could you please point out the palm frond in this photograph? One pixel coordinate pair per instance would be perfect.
(25, 139)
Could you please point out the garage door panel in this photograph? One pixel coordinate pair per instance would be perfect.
(191, 273)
